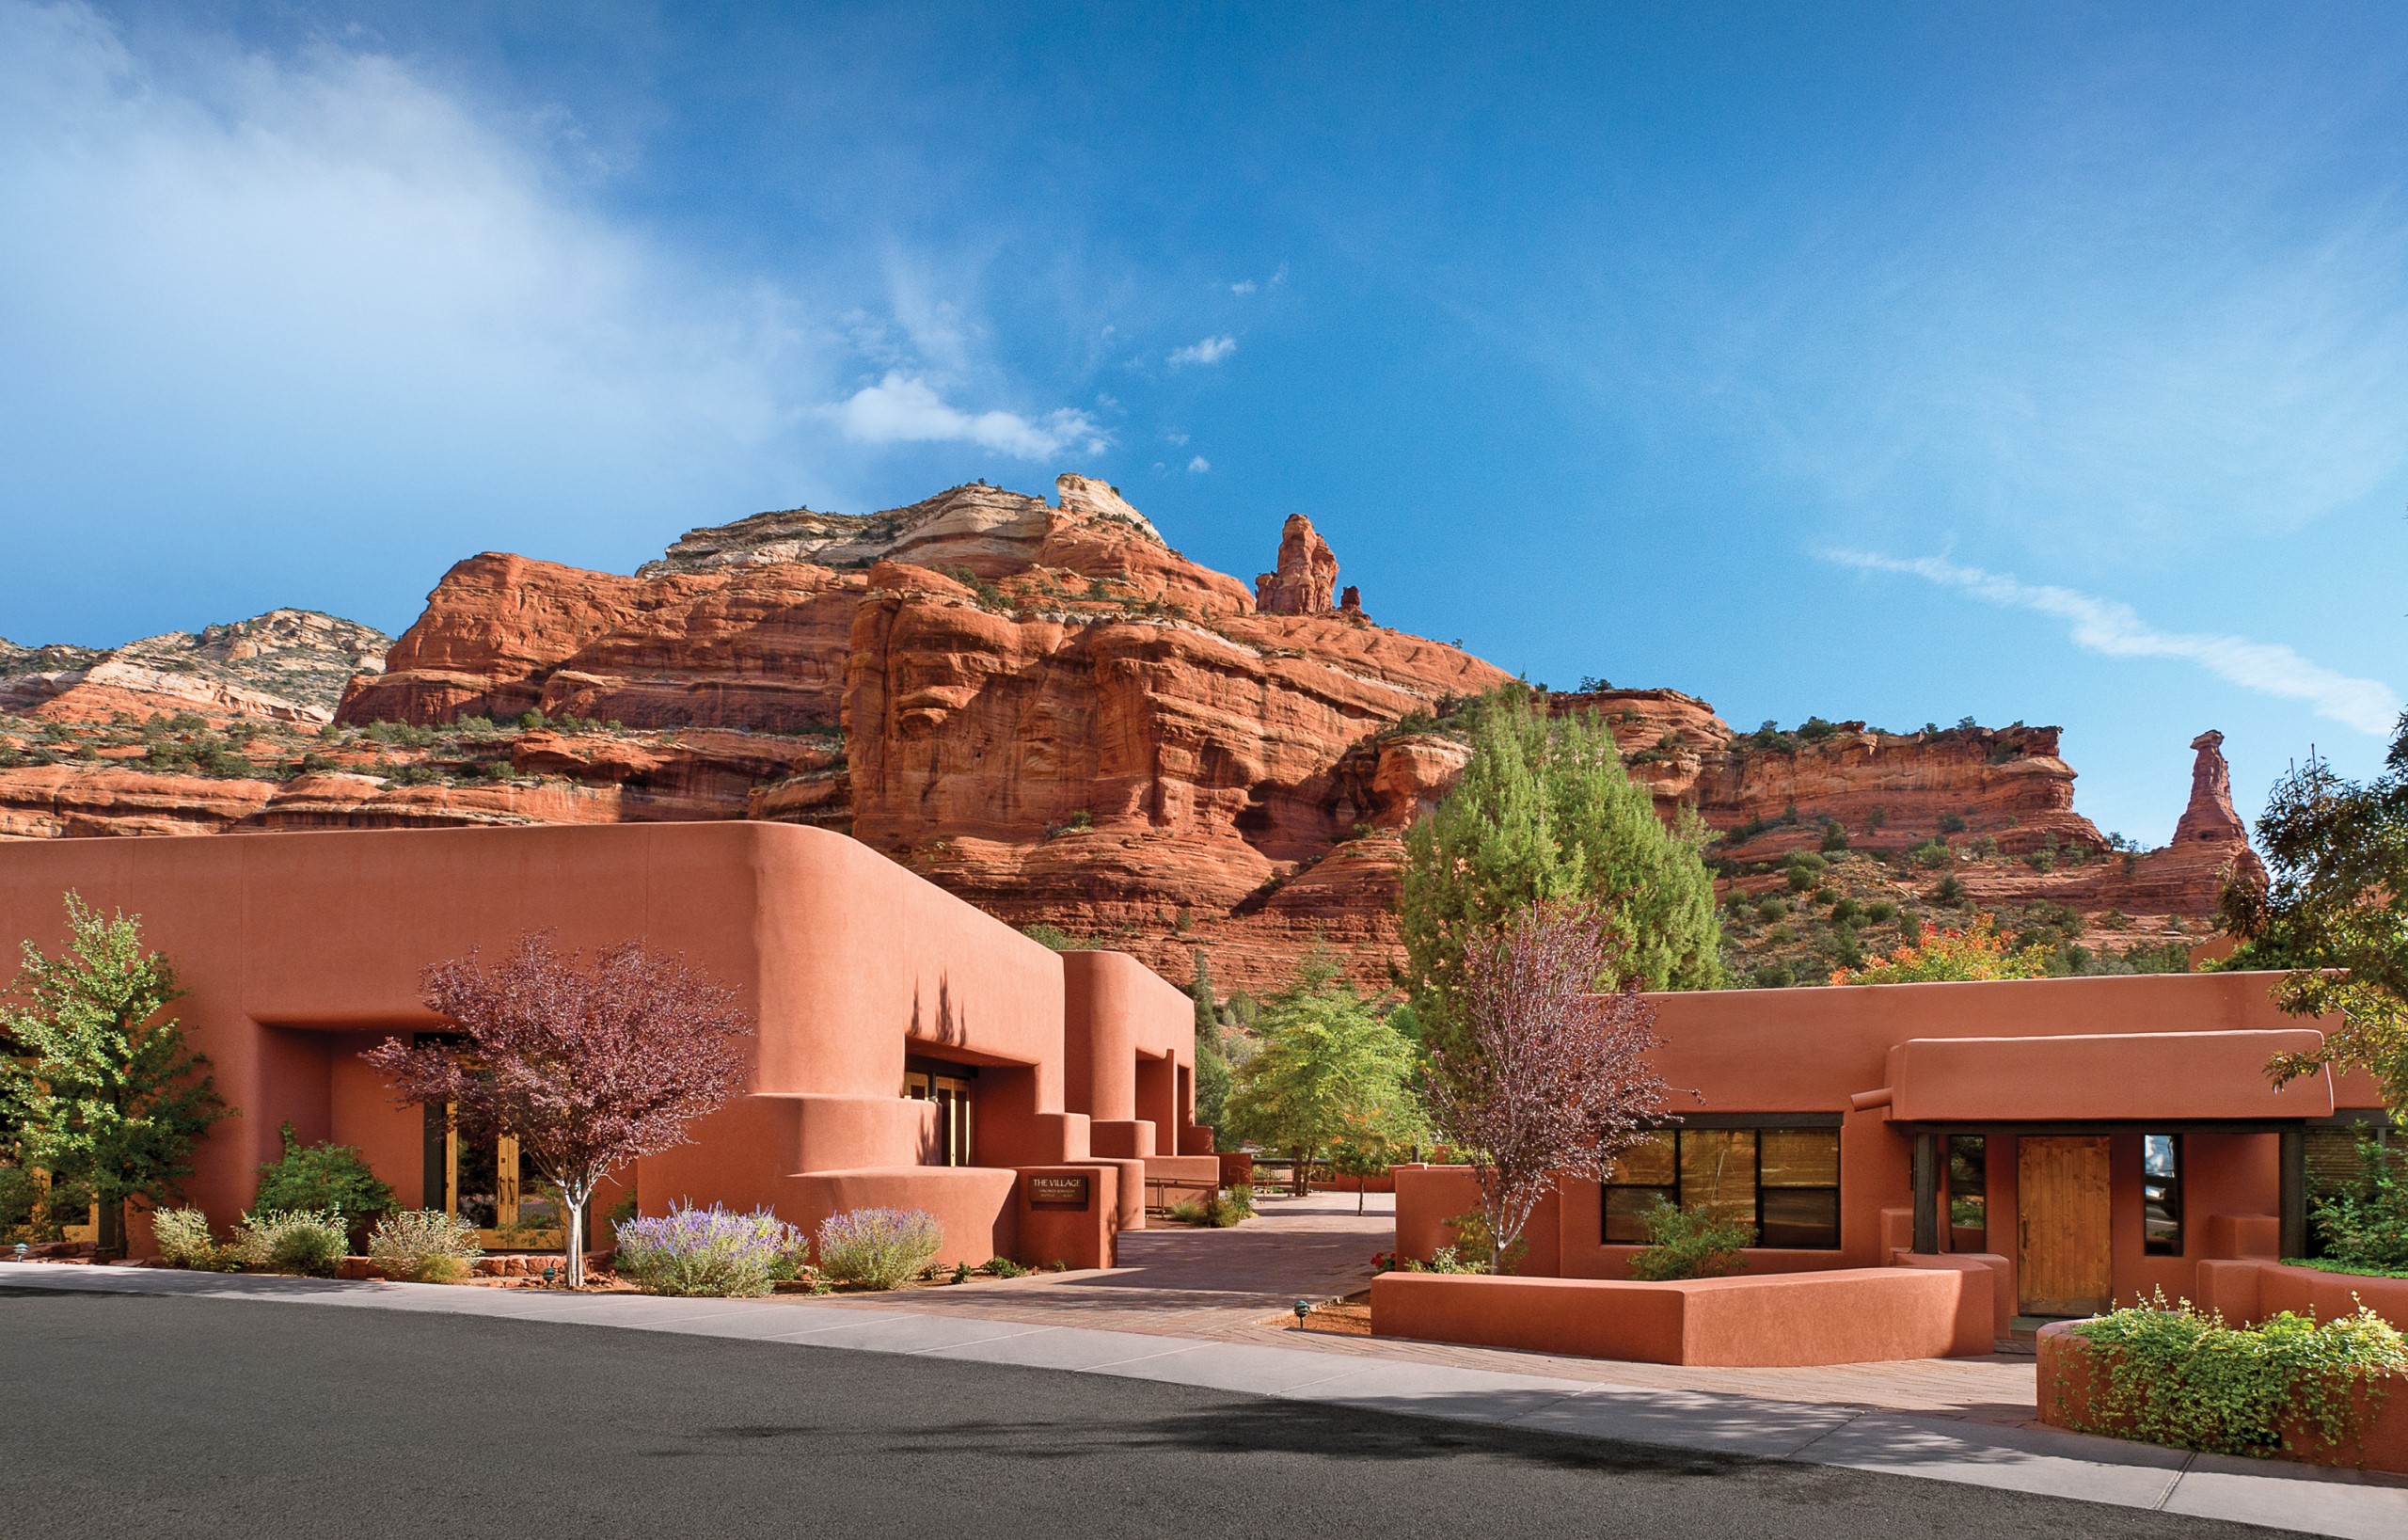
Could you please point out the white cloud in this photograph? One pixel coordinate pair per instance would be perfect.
(903, 408)
(1198, 466)
(2114, 630)
(1243, 286)
(1212, 350)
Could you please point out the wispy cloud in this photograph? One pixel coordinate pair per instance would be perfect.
(1212, 350)
(903, 408)
(2114, 630)
(1198, 466)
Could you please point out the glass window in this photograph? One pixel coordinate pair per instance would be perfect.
(1643, 1176)
(1782, 1183)
(1968, 1195)
(2162, 1194)
(1718, 1172)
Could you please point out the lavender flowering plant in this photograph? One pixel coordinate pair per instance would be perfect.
(878, 1247)
(708, 1252)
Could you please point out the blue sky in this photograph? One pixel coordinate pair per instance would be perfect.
(2032, 362)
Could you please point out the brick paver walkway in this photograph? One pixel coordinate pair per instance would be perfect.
(1240, 1284)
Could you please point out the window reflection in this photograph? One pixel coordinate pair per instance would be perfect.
(2162, 1194)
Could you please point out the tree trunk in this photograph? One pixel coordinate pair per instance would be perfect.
(1359, 1183)
(109, 1236)
(573, 1235)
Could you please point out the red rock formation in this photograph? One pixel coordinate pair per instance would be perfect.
(1049, 711)
(1307, 577)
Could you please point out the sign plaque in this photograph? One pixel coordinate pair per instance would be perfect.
(1050, 1191)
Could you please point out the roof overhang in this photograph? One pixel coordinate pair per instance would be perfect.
(2109, 1077)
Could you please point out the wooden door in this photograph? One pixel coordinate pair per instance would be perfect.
(2063, 1264)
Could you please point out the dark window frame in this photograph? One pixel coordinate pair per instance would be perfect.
(1809, 1123)
(1979, 1191)
(2168, 1197)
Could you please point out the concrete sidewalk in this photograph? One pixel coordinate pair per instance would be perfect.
(2282, 1496)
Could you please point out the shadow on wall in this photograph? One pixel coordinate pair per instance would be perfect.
(950, 1028)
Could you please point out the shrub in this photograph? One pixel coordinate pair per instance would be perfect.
(1880, 912)
(325, 1179)
(1188, 1210)
(1690, 1243)
(1449, 1259)
(424, 1246)
(183, 1238)
(878, 1247)
(1844, 909)
(1948, 892)
(2365, 1222)
(1950, 823)
(1003, 1267)
(1772, 976)
(708, 1252)
(1771, 910)
(2172, 1374)
(311, 1243)
(1230, 1206)
(1931, 853)
(1835, 837)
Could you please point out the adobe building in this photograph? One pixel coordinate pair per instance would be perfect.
(2079, 1140)
(911, 1050)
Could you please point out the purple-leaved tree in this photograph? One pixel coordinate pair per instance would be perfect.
(1555, 1079)
(587, 1068)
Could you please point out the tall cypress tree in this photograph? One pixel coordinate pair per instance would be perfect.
(1212, 1067)
(1543, 810)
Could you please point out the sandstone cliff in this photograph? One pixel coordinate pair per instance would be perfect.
(288, 666)
(1041, 706)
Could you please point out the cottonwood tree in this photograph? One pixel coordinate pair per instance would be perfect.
(1543, 812)
(1553, 1079)
(1329, 1070)
(105, 1092)
(587, 1068)
(2336, 915)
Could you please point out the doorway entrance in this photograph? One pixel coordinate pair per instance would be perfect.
(951, 1093)
(2062, 1263)
(487, 1184)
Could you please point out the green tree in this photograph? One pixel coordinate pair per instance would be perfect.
(2336, 915)
(1212, 1066)
(325, 1179)
(1329, 1071)
(111, 1096)
(1543, 812)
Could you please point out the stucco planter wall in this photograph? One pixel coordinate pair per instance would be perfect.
(2069, 1366)
(1845, 1315)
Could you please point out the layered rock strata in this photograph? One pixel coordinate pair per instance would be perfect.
(1049, 711)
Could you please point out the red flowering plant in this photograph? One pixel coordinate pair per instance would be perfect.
(1555, 1080)
(587, 1068)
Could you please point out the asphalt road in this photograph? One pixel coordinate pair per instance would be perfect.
(128, 1414)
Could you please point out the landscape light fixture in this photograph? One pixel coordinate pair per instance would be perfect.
(20, 1250)
(1304, 1307)
(548, 1271)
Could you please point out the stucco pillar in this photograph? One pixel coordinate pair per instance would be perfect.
(2292, 1144)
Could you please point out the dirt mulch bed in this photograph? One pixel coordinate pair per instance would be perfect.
(1347, 1317)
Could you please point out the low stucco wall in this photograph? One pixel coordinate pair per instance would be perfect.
(2065, 1372)
(1849, 1315)
(2248, 1291)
